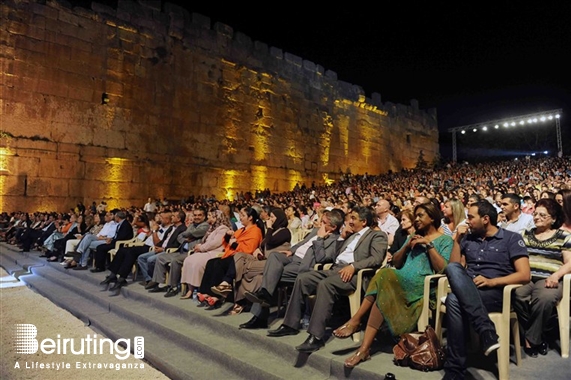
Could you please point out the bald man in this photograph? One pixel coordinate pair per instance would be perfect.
(387, 223)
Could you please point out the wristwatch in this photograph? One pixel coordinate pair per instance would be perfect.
(429, 245)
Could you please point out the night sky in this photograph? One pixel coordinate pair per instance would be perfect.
(474, 62)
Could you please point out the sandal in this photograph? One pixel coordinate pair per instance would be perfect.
(345, 331)
(356, 358)
(222, 290)
(214, 303)
(202, 297)
(237, 309)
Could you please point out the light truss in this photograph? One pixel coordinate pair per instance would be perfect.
(512, 122)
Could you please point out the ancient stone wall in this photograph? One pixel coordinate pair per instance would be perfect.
(123, 104)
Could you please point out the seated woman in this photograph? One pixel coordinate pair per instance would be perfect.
(250, 267)
(68, 223)
(209, 247)
(549, 250)
(71, 255)
(395, 296)
(223, 270)
(454, 216)
(80, 228)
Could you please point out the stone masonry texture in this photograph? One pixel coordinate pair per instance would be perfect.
(136, 102)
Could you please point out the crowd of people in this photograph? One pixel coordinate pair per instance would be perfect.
(484, 226)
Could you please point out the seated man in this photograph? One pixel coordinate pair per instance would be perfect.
(198, 228)
(364, 248)
(317, 247)
(124, 231)
(161, 236)
(494, 257)
(90, 241)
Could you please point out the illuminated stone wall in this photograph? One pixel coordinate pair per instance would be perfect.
(192, 109)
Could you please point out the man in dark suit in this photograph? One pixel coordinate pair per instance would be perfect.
(317, 247)
(124, 232)
(364, 248)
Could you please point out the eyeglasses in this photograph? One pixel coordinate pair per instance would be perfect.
(541, 215)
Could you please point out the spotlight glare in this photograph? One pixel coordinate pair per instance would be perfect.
(475, 130)
(463, 132)
(533, 154)
(557, 116)
(506, 125)
(496, 126)
(535, 120)
(545, 152)
(550, 117)
(513, 124)
(543, 118)
(485, 128)
(522, 122)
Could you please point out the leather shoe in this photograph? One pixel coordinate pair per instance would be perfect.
(283, 330)
(79, 267)
(542, 348)
(96, 270)
(158, 289)
(255, 323)
(109, 279)
(311, 344)
(261, 296)
(119, 284)
(151, 284)
(172, 292)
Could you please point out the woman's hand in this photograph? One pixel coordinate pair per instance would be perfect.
(417, 239)
(552, 281)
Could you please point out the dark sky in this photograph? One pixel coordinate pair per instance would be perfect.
(474, 61)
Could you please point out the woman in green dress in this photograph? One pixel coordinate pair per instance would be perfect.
(394, 296)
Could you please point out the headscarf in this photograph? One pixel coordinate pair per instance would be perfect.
(281, 219)
(221, 219)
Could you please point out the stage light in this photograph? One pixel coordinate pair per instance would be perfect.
(496, 126)
(513, 124)
(543, 118)
(529, 121)
(463, 132)
(533, 154)
(545, 152)
(550, 117)
(475, 130)
(485, 128)
(535, 120)
(557, 116)
(506, 125)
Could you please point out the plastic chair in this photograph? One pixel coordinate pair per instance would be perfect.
(502, 321)
(563, 316)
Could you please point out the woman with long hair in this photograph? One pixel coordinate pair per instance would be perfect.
(394, 296)
(454, 215)
(549, 249)
(220, 272)
(563, 197)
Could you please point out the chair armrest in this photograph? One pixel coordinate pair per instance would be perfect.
(169, 250)
(507, 301)
(119, 243)
(317, 266)
(360, 277)
(423, 320)
(566, 287)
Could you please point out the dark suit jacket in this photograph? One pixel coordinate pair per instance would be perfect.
(124, 232)
(322, 250)
(173, 240)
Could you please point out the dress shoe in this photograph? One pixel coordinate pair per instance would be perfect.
(119, 284)
(261, 296)
(80, 267)
(283, 330)
(97, 270)
(151, 285)
(158, 289)
(531, 351)
(311, 344)
(109, 279)
(172, 292)
(144, 283)
(542, 348)
(255, 323)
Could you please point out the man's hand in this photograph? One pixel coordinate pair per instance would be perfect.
(322, 232)
(347, 273)
(461, 231)
(483, 282)
(287, 253)
(108, 240)
(158, 250)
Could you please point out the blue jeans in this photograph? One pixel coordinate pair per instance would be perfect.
(466, 306)
(147, 264)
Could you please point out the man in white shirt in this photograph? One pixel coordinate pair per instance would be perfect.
(90, 241)
(516, 220)
(387, 223)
